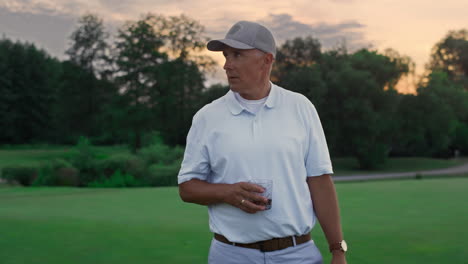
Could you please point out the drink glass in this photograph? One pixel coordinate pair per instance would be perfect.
(266, 184)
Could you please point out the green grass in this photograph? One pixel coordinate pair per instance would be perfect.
(349, 166)
(407, 221)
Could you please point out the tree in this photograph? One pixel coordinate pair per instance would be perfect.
(432, 123)
(453, 100)
(28, 81)
(139, 59)
(212, 93)
(426, 125)
(85, 88)
(300, 52)
(297, 68)
(451, 93)
(181, 89)
(450, 55)
(82, 100)
(296, 53)
(386, 69)
(358, 117)
(460, 141)
(184, 38)
(184, 77)
(306, 80)
(160, 75)
(361, 112)
(89, 48)
(354, 94)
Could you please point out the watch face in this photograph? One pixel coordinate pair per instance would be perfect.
(344, 246)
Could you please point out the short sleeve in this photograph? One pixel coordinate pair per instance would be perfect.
(196, 161)
(317, 159)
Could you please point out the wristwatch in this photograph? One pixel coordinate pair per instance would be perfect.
(339, 246)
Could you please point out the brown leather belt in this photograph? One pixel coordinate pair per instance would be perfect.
(267, 245)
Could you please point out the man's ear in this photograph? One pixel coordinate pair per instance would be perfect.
(268, 59)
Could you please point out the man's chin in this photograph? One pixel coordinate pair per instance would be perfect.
(233, 87)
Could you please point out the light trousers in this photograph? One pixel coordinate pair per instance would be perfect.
(222, 253)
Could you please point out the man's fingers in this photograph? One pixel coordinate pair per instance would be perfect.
(247, 197)
(252, 193)
(250, 187)
(257, 199)
(250, 207)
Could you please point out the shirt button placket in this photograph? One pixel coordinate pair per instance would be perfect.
(256, 122)
(254, 127)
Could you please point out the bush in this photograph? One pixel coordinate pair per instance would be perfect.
(67, 177)
(154, 165)
(373, 156)
(161, 154)
(45, 176)
(24, 175)
(152, 138)
(85, 161)
(162, 175)
(85, 154)
(460, 142)
(117, 179)
(57, 172)
(126, 163)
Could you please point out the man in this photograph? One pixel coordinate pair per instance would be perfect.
(260, 131)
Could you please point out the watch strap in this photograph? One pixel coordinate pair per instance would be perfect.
(336, 246)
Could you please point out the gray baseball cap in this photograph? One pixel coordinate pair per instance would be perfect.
(246, 35)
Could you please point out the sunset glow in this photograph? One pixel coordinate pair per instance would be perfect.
(410, 27)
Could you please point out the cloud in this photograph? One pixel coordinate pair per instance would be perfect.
(50, 22)
(43, 7)
(46, 31)
(284, 27)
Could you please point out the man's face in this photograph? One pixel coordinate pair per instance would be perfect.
(244, 69)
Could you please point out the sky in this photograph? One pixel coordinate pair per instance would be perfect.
(411, 27)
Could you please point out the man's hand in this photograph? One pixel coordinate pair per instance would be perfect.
(338, 257)
(243, 196)
(323, 195)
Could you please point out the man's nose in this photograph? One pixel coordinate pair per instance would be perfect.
(227, 64)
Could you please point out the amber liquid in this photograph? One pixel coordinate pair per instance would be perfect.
(267, 205)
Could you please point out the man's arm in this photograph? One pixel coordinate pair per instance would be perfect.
(323, 194)
(204, 193)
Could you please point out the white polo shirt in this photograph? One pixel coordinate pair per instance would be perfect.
(283, 141)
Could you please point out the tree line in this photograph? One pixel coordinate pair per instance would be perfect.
(151, 76)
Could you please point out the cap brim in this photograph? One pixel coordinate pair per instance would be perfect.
(218, 45)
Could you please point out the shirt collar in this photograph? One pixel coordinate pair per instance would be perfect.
(272, 99)
(236, 108)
